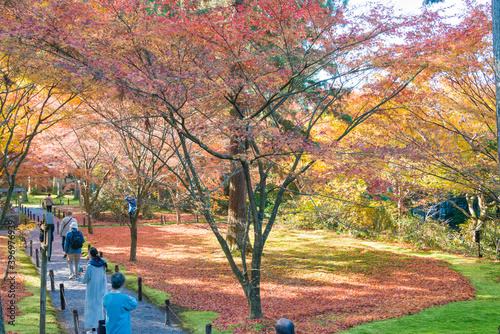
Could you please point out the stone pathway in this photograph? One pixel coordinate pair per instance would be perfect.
(146, 318)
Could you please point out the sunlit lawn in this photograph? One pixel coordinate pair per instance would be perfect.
(323, 282)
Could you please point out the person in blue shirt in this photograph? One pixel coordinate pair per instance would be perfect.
(131, 205)
(118, 307)
(73, 254)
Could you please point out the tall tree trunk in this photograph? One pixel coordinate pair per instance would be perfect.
(88, 207)
(237, 204)
(254, 300)
(178, 216)
(495, 17)
(133, 238)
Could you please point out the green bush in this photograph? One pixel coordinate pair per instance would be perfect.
(432, 234)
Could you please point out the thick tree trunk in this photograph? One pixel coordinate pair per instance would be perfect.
(253, 295)
(133, 239)
(237, 206)
(178, 217)
(495, 16)
(88, 210)
(254, 302)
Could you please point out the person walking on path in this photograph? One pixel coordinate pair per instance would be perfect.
(48, 203)
(118, 307)
(64, 227)
(131, 206)
(97, 287)
(73, 248)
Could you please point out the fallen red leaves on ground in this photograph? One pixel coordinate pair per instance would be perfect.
(339, 287)
(10, 292)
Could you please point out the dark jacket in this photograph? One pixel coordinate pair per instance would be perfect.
(67, 243)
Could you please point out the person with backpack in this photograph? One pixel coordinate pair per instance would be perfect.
(97, 287)
(73, 248)
(64, 228)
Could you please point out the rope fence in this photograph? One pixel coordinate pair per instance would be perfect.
(66, 305)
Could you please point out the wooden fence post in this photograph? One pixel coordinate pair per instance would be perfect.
(139, 287)
(31, 248)
(37, 259)
(208, 329)
(117, 268)
(75, 320)
(51, 275)
(61, 294)
(167, 312)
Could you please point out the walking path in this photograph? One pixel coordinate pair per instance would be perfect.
(146, 318)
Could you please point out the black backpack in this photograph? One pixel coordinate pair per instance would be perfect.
(76, 240)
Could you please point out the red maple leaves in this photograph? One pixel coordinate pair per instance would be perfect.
(322, 285)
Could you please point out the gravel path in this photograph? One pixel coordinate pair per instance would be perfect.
(145, 319)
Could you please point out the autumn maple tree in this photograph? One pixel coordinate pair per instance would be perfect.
(249, 84)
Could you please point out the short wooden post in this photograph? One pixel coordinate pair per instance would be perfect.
(25, 220)
(139, 287)
(117, 268)
(83, 221)
(89, 246)
(57, 227)
(100, 254)
(52, 285)
(31, 248)
(167, 312)
(37, 259)
(208, 329)
(61, 294)
(75, 320)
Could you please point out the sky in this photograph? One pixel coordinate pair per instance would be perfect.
(410, 6)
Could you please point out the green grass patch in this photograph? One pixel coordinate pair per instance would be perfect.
(35, 199)
(481, 315)
(29, 320)
(197, 320)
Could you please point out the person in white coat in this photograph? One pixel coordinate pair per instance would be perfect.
(97, 287)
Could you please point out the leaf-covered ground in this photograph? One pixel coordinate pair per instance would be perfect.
(322, 282)
(5, 286)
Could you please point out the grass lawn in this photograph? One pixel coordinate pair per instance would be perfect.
(481, 315)
(323, 282)
(28, 297)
